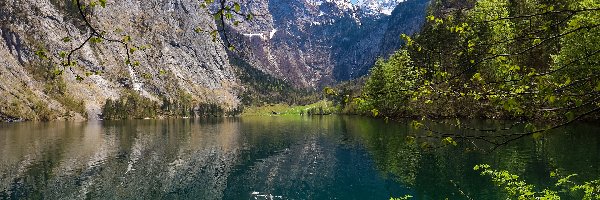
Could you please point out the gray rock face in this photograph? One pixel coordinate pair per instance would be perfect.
(309, 43)
(407, 18)
(178, 61)
(312, 43)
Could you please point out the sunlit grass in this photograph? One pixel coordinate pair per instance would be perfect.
(284, 109)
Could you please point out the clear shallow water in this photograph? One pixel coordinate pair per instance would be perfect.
(330, 157)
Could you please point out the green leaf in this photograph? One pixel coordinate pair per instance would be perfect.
(95, 40)
(551, 99)
(102, 3)
(375, 112)
(126, 38)
(538, 135)
(449, 141)
(237, 7)
(78, 78)
(57, 72)
(477, 77)
(405, 197)
(147, 76)
(217, 15)
(430, 18)
(570, 116)
(416, 125)
(213, 34)
(410, 139)
(530, 127)
(41, 54)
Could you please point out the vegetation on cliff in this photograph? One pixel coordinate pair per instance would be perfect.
(132, 105)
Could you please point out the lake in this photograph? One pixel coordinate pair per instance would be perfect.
(296, 157)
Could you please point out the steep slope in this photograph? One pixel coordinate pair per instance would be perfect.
(293, 38)
(307, 43)
(407, 18)
(312, 43)
(177, 62)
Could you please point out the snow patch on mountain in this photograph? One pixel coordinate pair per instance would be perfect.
(378, 7)
(272, 33)
(344, 5)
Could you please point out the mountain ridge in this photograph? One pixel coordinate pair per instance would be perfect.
(318, 43)
(309, 44)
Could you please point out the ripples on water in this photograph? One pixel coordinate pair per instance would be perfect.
(265, 158)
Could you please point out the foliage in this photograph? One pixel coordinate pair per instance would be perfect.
(533, 60)
(405, 197)
(226, 13)
(262, 88)
(519, 189)
(390, 83)
(130, 105)
(526, 59)
(209, 110)
(55, 87)
(318, 108)
(347, 96)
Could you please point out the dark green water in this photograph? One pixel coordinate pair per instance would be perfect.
(327, 157)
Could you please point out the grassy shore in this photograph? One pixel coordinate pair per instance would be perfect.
(284, 109)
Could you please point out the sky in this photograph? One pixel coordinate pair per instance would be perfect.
(353, 1)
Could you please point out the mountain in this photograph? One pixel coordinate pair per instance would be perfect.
(304, 43)
(178, 62)
(407, 18)
(313, 43)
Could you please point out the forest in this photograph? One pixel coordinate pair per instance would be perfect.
(493, 59)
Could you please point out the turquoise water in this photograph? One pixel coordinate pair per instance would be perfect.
(328, 157)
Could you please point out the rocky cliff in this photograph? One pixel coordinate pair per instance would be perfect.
(307, 43)
(175, 62)
(312, 43)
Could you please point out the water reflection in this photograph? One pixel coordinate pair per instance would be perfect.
(136, 159)
(448, 172)
(267, 157)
